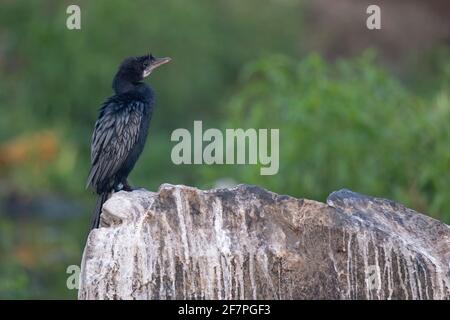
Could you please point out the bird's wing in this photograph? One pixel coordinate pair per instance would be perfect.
(115, 134)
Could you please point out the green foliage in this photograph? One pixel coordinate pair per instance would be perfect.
(344, 125)
(35, 255)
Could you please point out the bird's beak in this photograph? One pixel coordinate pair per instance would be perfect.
(155, 64)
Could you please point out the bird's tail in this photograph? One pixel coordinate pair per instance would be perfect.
(98, 210)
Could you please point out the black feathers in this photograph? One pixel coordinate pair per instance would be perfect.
(115, 136)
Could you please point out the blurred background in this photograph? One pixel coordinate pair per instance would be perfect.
(358, 109)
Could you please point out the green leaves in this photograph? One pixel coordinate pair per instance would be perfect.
(347, 124)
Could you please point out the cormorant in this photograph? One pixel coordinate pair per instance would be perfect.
(121, 129)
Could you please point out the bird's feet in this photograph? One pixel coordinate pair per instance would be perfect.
(127, 187)
(118, 187)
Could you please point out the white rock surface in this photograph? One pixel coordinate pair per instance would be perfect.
(248, 243)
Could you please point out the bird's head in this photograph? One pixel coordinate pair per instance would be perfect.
(135, 69)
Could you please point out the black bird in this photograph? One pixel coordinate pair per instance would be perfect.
(121, 129)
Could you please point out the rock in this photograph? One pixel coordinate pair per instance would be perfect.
(248, 243)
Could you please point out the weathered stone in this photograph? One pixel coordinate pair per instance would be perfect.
(248, 243)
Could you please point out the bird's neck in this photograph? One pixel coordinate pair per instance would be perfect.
(121, 85)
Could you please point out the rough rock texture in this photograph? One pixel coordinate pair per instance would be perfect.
(248, 243)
